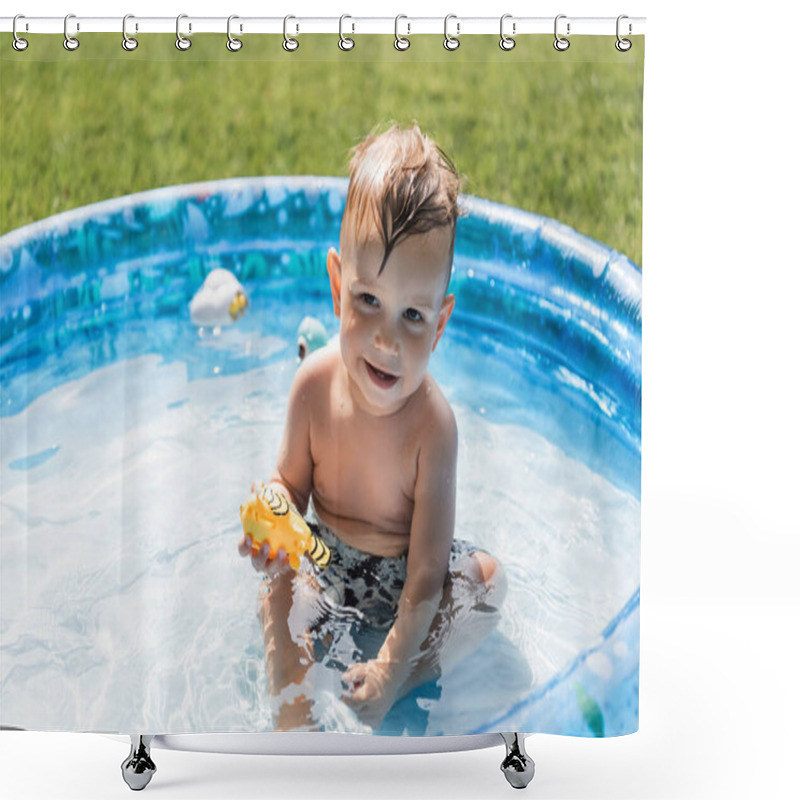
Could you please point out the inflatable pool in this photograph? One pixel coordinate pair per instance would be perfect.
(118, 413)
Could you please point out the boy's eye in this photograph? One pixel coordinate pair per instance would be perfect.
(369, 299)
(413, 315)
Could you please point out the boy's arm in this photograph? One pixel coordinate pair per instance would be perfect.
(432, 529)
(294, 468)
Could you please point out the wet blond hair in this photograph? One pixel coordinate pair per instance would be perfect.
(403, 183)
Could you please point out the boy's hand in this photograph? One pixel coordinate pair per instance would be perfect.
(372, 691)
(264, 561)
(271, 564)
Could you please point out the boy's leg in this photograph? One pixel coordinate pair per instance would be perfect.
(468, 612)
(288, 653)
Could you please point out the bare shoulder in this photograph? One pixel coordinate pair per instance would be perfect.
(316, 371)
(438, 428)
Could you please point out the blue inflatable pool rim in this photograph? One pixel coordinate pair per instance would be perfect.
(523, 282)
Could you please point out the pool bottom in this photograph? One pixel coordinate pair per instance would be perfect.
(148, 590)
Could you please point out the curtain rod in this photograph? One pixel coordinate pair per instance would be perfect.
(406, 26)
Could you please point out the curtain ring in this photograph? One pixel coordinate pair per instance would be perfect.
(450, 42)
(345, 42)
(623, 45)
(128, 42)
(400, 42)
(233, 44)
(506, 42)
(290, 44)
(560, 43)
(70, 42)
(182, 43)
(19, 44)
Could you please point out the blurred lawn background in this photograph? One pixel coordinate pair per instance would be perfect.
(559, 134)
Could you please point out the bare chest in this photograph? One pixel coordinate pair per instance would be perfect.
(365, 471)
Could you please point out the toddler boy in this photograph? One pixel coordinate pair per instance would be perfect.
(369, 449)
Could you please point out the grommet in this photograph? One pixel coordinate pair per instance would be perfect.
(506, 42)
(290, 44)
(623, 45)
(19, 44)
(182, 43)
(450, 42)
(345, 42)
(560, 43)
(128, 42)
(400, 42)
(233, 44)
(70, 42)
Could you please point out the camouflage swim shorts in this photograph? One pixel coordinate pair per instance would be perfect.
(368, 583)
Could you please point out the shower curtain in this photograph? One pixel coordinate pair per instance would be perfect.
(279, 453)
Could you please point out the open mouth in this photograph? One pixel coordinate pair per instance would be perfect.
(383, 379)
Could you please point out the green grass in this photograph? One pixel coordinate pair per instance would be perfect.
(555, 133)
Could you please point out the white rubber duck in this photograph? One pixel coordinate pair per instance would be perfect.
(221, 300)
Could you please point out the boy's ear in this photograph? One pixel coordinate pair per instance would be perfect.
(335, 274)
(444, 315)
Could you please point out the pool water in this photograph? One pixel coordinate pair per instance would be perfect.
(130, 437)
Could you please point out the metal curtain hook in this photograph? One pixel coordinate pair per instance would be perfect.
(623, 45)
(451, 42)
(234, 44)
(345, 42)
(128, 42)
(19, 44)
(70, 42)
(506, 42)
(290, 44)
(182, 43)
(560, 43)
(400, 42)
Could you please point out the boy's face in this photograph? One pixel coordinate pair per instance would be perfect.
(392, 322)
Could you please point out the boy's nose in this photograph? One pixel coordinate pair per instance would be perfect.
(386, 339)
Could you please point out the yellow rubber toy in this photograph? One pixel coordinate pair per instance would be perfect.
(268, 517)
